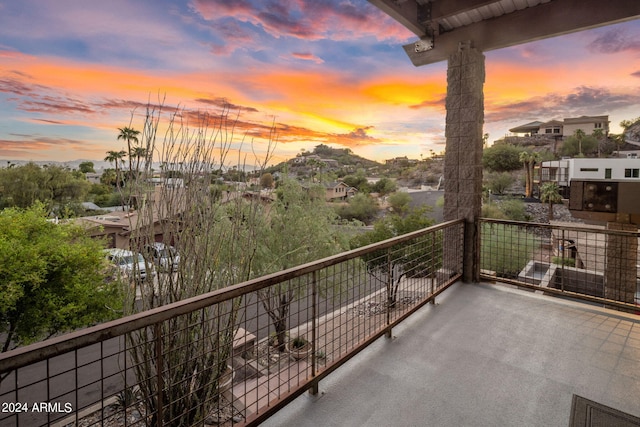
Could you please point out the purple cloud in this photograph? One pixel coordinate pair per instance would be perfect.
(224, 103)
(615, 40)
(355, 138)
(583, 100)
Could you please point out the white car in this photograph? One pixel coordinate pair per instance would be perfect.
(129, 263)
(164, 256)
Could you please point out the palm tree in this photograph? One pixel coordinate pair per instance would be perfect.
(599, 135)
(129, 134)
(138, 153)
(116, 157)
(529, 159)
(109, 177)
(550, 193)
(579, 134)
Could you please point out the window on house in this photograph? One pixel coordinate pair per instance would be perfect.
(598, 125)
(588, 169)
(607, 173)
(556, 130)
(632, 173)
(547, 131)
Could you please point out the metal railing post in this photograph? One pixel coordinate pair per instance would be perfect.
(159, 378)
(433, 267)
(562, 243)
(314, 324)
(389, 290)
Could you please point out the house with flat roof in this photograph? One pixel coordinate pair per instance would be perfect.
(563, 171)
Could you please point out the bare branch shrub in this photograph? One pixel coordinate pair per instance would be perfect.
(180, 364)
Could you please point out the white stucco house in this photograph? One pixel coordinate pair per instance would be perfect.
(563, 171)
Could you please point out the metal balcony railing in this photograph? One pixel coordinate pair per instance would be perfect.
(232, 356)
(585, 262)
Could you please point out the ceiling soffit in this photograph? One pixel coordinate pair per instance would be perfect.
(442, 25)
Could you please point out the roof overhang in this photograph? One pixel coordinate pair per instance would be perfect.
(442, 25)
(529, 127)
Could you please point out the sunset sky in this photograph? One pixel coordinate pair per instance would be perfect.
(322, 71)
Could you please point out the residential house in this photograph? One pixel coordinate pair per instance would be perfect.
(93, 177)
(552, 127)
(588, 124)
(563, 171)
(314, 157)
(337, 191)
(118, 226)
(351, 191)
(401, 161)
(565, 127)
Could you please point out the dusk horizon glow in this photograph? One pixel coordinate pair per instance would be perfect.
(323, 72)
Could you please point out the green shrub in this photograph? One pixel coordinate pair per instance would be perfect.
(506, 249)
(498, 183)
(514, 210)
(361, 207)
(510, 209)
(569, 262)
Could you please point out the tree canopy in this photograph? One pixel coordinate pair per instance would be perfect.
(501, 158)
(302, 228)
(407, 259)
(361, 207)
(53, 278)
(399, 202)
(86, 167)
(54, 186)
(384, 186)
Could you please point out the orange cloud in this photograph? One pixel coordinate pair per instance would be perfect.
(34, 147)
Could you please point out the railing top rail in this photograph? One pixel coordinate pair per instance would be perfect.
(32, 353)
(577, 227)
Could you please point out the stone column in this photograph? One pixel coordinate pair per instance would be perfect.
(620, 269)
(463, 156)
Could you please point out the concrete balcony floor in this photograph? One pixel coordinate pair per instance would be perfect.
(485, 355)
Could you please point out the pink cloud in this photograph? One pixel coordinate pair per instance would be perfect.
(306, 56)
(306, 19)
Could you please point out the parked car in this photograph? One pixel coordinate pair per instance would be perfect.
(129, 263)
(166, 257)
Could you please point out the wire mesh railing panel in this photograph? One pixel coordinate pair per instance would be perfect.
(589, 262)
(234, 355)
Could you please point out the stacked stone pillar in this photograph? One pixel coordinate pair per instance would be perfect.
(463, 155)
(620, 271)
